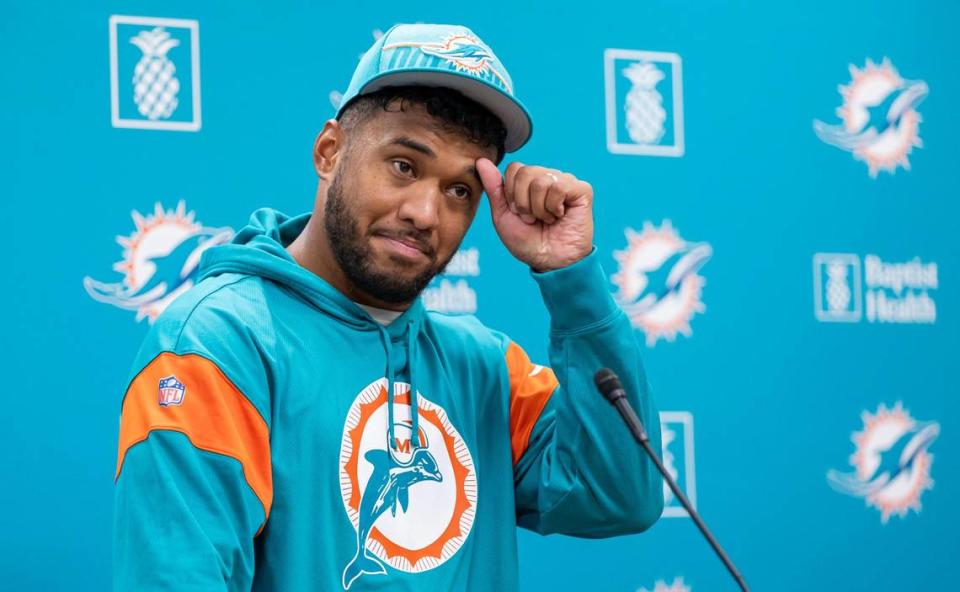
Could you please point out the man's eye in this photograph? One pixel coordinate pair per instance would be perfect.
(461, 192)
(403, 167)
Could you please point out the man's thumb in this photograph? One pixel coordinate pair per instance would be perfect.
(492, 183)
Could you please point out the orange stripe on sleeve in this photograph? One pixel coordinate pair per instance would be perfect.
(210, 410)
(530, 388)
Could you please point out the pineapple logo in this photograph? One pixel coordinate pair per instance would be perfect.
(644, 102)
(880, 123)
(644, 108)
(155, 73)
(659, 282)
(676, 428)
(160, 261)
(668, 461)
(155, 85)
(837, 289)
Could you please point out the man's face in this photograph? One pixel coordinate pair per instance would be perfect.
(401, 199)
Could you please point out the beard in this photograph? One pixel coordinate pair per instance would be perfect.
(353, 253)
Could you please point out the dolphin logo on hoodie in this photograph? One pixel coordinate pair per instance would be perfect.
(388, 487)
(411, 503)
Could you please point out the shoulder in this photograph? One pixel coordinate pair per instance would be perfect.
(218, 325)
(221, 302)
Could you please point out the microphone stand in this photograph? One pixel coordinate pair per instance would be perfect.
(609, 385)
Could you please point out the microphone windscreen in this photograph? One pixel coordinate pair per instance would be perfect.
(607, 382)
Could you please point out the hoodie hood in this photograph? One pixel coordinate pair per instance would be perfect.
(259, 249)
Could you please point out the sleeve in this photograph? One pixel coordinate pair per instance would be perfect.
(577, 469)
(193, 477)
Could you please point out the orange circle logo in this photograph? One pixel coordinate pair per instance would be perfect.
(412, 503)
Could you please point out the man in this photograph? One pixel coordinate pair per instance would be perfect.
(297, 421)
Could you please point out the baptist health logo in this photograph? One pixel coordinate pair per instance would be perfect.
(155, 73)
(676, 432)
(658, 282)
(450, 292)
(644, 102)
(894, 292)
(891, 462)
(880, 123)
(159, 261)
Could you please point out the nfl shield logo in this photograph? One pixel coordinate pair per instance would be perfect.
(171, 391)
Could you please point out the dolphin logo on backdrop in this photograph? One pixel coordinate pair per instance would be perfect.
(891, 462)
(159, 261)
(663, 586)
(659, 282)
(411, 504)
(880, 123)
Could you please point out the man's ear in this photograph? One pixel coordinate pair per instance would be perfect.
(327, 148)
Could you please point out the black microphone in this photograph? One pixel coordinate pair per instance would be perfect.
(609, 386)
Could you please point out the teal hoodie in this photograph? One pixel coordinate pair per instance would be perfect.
(274, 437)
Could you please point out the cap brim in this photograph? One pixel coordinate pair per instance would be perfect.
(510, 111)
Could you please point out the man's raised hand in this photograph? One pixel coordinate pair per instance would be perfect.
(543, 216)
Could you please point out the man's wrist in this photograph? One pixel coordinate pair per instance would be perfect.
(561, 265)
(577, 295)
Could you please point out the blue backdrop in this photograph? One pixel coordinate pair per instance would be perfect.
(773, 190)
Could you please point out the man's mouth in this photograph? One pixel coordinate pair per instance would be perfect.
(405, 245)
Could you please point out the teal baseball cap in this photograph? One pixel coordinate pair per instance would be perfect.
(449, 56)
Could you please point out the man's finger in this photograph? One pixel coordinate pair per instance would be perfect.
(520, 190)
(509, 182)
(539, 187)
(554, 200)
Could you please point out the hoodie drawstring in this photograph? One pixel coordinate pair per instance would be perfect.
(385, 339)
(412, 330)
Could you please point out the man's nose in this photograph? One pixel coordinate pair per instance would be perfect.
(421, 206)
